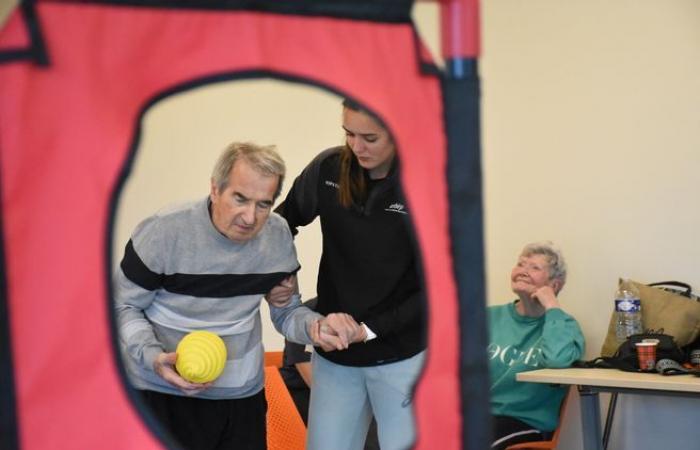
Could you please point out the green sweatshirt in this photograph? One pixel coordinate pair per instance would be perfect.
(518, 344)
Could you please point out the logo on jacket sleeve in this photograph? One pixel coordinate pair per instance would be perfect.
(396, 208)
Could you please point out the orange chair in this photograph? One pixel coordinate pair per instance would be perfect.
(273, 359)
(285, 428)
(550, 444)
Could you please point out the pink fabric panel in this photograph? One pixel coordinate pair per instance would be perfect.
(65, 135)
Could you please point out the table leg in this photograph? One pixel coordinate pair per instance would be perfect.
(590, 419)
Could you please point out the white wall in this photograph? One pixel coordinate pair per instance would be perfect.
(591, 132)
(591, 138)
(5, 7)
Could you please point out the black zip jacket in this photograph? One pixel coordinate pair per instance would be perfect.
(368, 268)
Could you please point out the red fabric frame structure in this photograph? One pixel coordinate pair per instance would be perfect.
(68, 132)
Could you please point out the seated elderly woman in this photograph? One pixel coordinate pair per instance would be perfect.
(530, 333)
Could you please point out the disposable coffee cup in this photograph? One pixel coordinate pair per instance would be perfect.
(695, 358)
(646, 353)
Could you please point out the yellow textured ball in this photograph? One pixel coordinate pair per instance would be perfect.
(201, 356)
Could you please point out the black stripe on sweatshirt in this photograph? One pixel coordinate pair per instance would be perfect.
(135, 270)
(198, 285)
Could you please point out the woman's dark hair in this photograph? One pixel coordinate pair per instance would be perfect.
(352, 183)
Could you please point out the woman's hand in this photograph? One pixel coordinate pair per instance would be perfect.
(336, 332)
(546, 297)
(346, 327)
(325, 337)
(281, 294)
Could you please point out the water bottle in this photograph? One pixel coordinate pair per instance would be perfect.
(628, 311)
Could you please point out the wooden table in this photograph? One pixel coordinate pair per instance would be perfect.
(590, 382)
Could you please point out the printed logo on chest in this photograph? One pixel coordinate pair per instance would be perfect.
(396, 208)
(510, 355)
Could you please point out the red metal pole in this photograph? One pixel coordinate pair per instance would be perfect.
(460, 35)
(461, 93)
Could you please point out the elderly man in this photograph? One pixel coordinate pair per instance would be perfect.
(206, 266)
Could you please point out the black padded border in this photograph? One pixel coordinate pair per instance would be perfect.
(9, 435)
(461, 100)
(36, 50)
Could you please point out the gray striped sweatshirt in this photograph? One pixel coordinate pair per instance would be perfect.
(179, 274)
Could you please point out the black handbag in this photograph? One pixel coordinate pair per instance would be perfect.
(625, 358)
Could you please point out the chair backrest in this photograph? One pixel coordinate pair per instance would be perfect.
(285, 428)
(554, 441)
(273, 359)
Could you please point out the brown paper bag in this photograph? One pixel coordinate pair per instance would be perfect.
(677, 315)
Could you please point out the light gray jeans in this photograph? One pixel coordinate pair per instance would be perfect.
(344, 398)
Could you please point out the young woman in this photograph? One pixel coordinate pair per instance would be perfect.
(367, 282)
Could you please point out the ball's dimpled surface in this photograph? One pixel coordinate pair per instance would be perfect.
(201, 356)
